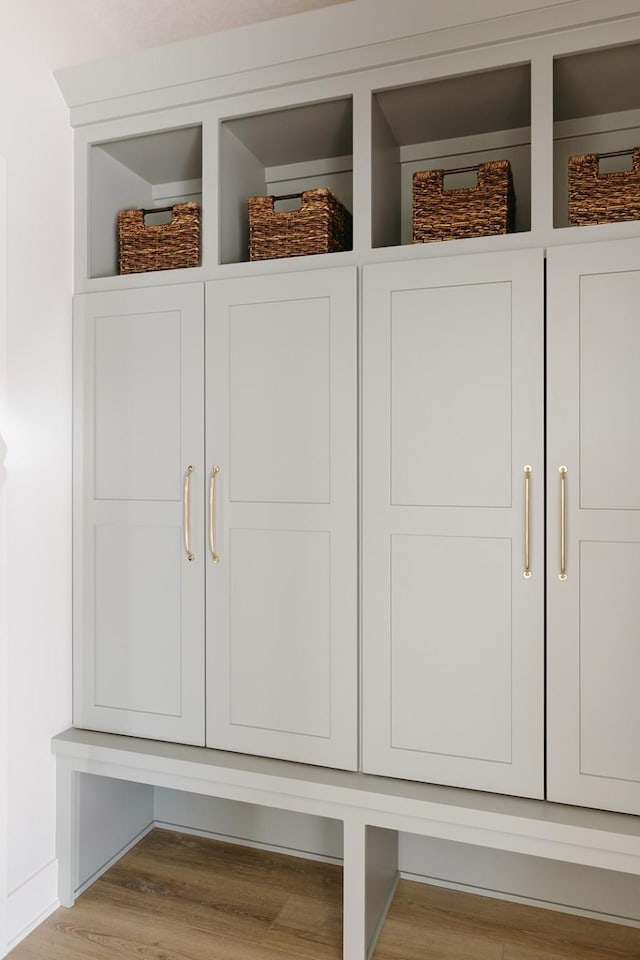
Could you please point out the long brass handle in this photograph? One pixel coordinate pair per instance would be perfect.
(212, 514)
(527, 521)
(187, 512)
(563, 524)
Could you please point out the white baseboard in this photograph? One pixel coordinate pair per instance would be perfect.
(114, 859)
(525, 901)
(37, 898)
(241, 842)
(31, 903)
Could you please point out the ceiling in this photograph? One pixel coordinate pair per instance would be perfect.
(147, 23)
(76, 31)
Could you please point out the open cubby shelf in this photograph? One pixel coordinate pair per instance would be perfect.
(443, 123)
(153, 170)
(596, 109)
(282, 152)
(455, 122)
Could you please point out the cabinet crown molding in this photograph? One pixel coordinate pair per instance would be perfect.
(349, 37)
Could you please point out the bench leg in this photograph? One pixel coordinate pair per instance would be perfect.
(66, 831)
(370, 880)
(381, 880)
(354, 932)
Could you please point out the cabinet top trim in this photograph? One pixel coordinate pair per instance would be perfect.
(341, 39)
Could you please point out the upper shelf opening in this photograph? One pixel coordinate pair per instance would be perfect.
(298, 134)
(281, 152)
(459, 121)
(154, 170)
(163, 157)
(597, 82)
(596, 109)
(462, 106)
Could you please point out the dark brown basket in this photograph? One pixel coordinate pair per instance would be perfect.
(320, 225)
(596, 197)
(479, 211)
(166, 246)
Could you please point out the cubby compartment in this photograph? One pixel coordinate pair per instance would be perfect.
(277, 153)
(596, 109)
(457, 122)
(155, 170)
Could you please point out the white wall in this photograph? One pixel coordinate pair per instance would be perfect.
(35, 142)
(3, 555)
(36, 36)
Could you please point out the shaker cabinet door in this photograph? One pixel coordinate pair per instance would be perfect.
(453, 553)
(594, 525)
(139, 431)
(282, 485)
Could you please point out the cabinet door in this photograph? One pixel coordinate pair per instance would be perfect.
(594, 612)
(282, 599)
(453, 659)
(139, 602)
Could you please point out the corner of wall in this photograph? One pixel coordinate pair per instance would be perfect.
(4, 939)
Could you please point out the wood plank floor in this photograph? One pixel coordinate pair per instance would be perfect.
(177, 897)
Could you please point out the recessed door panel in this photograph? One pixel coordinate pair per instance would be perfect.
(451, 646)
(610, 391)
(281, 640)
(138, 629)
(609, 660)
(138, 385)
(280, 401)
(451, 395)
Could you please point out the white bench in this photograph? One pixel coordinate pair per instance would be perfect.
(372, 809)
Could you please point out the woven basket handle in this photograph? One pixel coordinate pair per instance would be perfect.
(288, 196)
(474, 167)
(146, 212)
(633, 152)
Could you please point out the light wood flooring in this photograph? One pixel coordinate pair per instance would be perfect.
(177, 897)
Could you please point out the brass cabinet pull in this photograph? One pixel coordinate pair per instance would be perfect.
(563, 524)
(212, 514)
(187, 512)
(527, 521)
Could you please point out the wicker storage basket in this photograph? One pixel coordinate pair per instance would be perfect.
(596, 197)
(166, 246)
(479, 211)
(320, 225)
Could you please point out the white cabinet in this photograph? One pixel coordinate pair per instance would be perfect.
(273, 530)
(282, 627)
(139, 425)
(260, 398)
(594, 611)
(453, 644)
